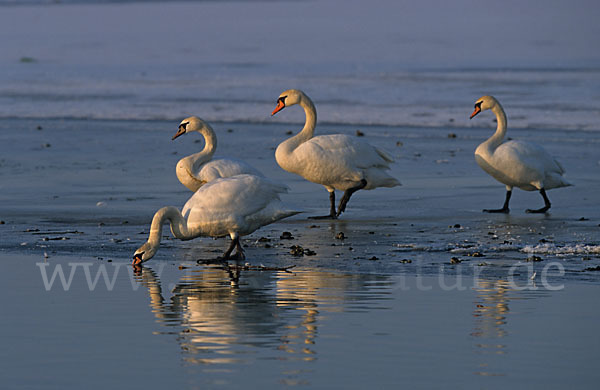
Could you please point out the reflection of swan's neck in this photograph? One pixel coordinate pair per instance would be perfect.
(289, 145)
(167, 312)
(178, 225)
(187, 166)
(495, 140)
(152, 283)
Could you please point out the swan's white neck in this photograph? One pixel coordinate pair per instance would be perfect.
(310, 123)
(188, 165)
(178, 225)
(495, 140)
(286, 148)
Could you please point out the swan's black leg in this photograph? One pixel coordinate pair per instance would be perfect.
(546, 204)
(504, 208)
(331, 209)
(347, 194)
(239, 251)
(234, 243)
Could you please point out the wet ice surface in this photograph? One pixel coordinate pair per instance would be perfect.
(60, 194)
(386, 304)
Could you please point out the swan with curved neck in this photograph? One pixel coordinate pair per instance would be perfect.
(514, 163)
(198, 169)
(234, 206)
(337, 161)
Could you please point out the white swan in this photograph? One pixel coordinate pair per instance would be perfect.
(516, 163)
(338, 161)
(197, 169)
(234, 206)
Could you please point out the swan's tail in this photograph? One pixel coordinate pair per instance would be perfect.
(555, 180)
(274, 212)
(391, 182)
(379, 178)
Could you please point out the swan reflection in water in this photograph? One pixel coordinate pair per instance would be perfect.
(490, 322)
(222, 314)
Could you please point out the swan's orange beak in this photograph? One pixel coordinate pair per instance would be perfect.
(137, 259)
(477, 111)
(179, 132)
(280, 106)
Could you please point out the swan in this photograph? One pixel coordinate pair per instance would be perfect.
(520, 164)
(197, 169)
(234, 206)
(337, 161)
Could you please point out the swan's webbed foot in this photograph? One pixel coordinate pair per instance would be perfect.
(328, 216)
(332, 214)
(546, 204)
(217, 260)
(538, 211)
(223, 259)
(504, 210)
(239, 251)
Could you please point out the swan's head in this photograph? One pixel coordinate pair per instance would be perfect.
(289, 98)
(484, 103)
(190, 124)
(144, 253)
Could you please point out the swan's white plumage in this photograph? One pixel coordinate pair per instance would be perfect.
(241, 204)
(223, 167)
(199, 168)
(520, 164)
(335, 161)
(523, 165)
(338, 161)
(234, 206)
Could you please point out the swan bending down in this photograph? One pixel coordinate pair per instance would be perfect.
(338, 161)
(197, 169)
(234, 206)
(516, 163)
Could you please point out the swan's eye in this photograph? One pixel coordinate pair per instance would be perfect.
(184, 125)
(282, 100)
(478, 105)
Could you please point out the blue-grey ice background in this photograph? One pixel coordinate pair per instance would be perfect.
(383, 62)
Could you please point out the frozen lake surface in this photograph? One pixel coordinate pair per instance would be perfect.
(413, 286)
(381, 307)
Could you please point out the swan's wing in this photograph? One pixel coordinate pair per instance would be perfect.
(236, 196)
(528, 156)
(225, 167)
(339, 151)
(527, 164)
